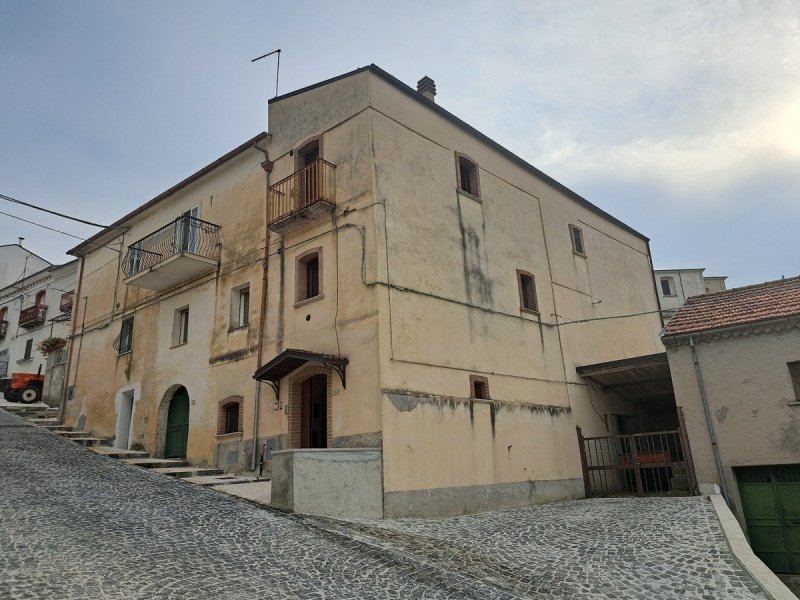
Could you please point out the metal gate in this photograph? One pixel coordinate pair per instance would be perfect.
(651, 463)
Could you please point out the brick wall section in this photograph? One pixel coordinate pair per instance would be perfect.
(295, 416)
(300, 283)
(222, 414)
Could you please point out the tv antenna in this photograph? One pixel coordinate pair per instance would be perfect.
(277, 71)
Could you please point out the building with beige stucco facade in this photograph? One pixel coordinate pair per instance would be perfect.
(421, 298)
(735, 363)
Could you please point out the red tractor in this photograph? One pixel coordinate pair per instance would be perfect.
(23, 387)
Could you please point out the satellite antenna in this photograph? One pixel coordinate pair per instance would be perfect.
(277, 71)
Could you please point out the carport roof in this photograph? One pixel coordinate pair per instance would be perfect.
(636, 377)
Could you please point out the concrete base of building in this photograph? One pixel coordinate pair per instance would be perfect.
(451, 501)
(331, 482)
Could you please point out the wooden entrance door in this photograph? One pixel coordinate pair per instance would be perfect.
(771, 506)
(177, 425)
(315, 412)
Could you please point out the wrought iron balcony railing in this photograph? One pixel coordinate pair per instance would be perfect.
(32, 316)
(184, 234)
(3, 329)
(67, 300)
(314, 183)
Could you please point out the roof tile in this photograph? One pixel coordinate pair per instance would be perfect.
(737, 306)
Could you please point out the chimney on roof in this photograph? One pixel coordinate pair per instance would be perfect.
(427, 88)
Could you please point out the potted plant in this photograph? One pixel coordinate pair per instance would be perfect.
(48, 345)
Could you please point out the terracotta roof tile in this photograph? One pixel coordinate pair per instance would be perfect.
(737, 306)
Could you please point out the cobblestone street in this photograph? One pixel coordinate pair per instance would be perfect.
(77, 525)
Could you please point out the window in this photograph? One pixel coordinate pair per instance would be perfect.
(240, 306)
(577, 240)
(479, 387)
(4, 313)
(667, 286)
(180, 326)
(28, 350)
(308, 275)
(40, 296)
(527, 292)
(135, 256)
(185, 239)
(794, 373)
(124, 342)
(467, 175)
(230, 415)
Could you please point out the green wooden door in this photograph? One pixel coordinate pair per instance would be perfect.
(771, 506)
(177, 425)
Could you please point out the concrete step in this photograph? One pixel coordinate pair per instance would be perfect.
(207, 480)
(55, 427)
(88, 441)
(45, 420)
(70, 433)
(153, 463)
(23, 410)
(190, 471)
(119, 452)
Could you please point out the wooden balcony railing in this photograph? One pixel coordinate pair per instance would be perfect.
(32, 316)
(3, 329)
(184, 234)
(312, 184)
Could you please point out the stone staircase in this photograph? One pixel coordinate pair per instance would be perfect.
(47, 418)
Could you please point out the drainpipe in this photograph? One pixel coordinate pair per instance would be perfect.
(709, 422)
(267, 166)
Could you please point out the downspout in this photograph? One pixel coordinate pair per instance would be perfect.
(71, 343)
(267, 166)
(709, 422)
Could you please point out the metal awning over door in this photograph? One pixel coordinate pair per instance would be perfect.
(292, 359)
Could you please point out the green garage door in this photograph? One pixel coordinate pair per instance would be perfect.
(771, 505)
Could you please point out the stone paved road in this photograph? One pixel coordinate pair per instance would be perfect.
(77, 525)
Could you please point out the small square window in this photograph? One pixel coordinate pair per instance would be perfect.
(240, 306)
(667, 286)
(124, 342)
(794, 373)
(230, 416)
(180, 326)
(467, 175)
(577, 240)
(527, 292)
(479, 387)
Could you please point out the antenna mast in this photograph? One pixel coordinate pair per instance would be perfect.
(277, 71)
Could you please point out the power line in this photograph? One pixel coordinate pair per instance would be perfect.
(43, 226)
(52, 212)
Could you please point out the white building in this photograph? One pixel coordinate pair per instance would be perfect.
(32, 309)
(17, 263)
(676, 285)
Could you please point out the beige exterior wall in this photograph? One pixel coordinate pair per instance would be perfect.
(750, 396)
(216, 362)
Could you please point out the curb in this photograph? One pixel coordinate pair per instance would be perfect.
(740, 547)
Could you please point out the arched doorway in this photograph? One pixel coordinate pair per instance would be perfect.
(177, 431)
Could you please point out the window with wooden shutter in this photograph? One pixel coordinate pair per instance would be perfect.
(527, 291)
(467, 178)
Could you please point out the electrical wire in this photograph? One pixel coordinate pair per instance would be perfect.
(52, 212)
(43, 226)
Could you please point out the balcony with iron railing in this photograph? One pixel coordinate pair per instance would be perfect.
(3, 329)
(33, 316)
(183, 250)
(302, 196)
(67, 299)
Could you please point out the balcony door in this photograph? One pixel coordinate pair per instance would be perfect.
(186, 239)
(309, 181)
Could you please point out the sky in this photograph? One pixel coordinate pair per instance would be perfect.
(680, 118)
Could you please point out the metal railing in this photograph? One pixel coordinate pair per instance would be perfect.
(636, 464)
(184, 234)
(32, 316)
(311, 184)
(67, 300)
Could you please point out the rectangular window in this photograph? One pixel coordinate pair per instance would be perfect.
(527, 292)
(479, 387)
(467, 175)
(794, 373)
(312, 277)
(180, 326)
(666, 286)
(240, 306)
(308, 275)
(28, 349)
(125, 339)
(577, 240)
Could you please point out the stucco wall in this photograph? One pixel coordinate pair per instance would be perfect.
(749, 392)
